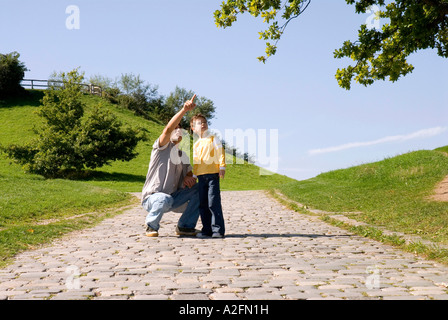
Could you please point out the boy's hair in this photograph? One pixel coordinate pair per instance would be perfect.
(195, 117)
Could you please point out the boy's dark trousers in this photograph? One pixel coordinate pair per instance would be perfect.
(210, 207)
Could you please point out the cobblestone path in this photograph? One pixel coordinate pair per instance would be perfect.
(269, 252)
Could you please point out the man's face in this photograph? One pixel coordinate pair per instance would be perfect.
(176, 135)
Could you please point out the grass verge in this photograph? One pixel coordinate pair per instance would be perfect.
(31, 234)
(393, 194)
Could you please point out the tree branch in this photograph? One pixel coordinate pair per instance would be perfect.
(283, 27)
(441, 6)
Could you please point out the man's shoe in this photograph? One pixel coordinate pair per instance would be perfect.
(186, 231)
(150, 232)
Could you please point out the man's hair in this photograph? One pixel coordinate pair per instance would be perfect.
(195, 117)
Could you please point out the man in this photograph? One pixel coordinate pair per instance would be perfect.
(170, 182)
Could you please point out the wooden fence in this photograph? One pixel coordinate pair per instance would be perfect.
(47, 84)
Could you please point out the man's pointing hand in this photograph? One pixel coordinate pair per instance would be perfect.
(190, 105)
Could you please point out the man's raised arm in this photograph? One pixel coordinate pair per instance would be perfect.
(175, 120)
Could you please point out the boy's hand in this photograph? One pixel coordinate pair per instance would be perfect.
(222, 173)
(190, 105)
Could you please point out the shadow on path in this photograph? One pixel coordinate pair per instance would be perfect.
(286, 235)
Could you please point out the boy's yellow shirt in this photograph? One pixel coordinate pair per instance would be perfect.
(208, 156)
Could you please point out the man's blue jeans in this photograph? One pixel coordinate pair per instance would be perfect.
(159, 203)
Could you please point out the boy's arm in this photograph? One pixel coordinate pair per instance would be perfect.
(175, 120)
(222, 162)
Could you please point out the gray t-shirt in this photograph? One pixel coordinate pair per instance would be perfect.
(167, 169)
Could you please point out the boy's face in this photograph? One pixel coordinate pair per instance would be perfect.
(200, 126)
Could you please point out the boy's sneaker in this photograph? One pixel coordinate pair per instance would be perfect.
(186, 231)
(217, 235)
(150, 232)
(202, 235)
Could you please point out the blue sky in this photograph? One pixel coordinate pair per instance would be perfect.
(320, 126)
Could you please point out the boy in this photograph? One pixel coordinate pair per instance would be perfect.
(208, 165)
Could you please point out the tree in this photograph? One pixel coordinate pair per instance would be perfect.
(103, 81)
(68, 141)
(132, 93)
(12, 72)
(175, 101)
(379, 54)
(140, 97)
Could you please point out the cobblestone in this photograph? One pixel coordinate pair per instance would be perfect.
(269, 252)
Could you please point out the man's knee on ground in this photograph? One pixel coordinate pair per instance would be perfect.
(159, 202)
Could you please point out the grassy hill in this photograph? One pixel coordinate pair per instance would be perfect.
(393, 193)
(33, 209)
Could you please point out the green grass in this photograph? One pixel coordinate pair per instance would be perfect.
(443, 149)
(28, 200)
(393, 193)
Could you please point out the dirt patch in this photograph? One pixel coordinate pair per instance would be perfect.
(441, 191)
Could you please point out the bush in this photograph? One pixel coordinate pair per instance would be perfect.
(12, 72)
(111, 95)
(69, 141)
(102, 140)
(141, 98)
